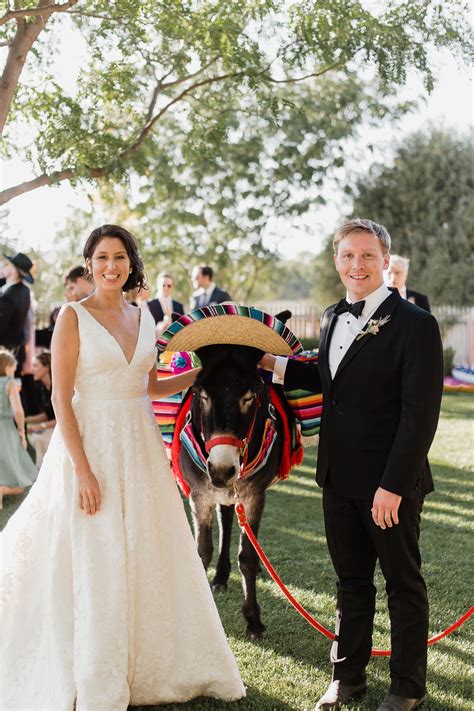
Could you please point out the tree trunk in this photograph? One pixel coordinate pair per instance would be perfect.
(26, 35)
(30, 23)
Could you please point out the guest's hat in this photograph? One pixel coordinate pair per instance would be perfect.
(23, 264)
(230, 324)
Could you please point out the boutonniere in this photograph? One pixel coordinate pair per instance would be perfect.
(373, 327)
(411, 299)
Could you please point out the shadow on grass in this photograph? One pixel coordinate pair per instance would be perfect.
(255, 700)
(456, 405)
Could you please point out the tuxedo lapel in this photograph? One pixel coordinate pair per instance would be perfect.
(327, 326)
(386, 308)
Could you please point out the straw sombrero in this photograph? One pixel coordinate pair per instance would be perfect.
(229, 324)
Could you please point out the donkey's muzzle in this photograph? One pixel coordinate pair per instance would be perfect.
(221, 476)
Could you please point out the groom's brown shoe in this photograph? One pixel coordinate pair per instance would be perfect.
(339, 693)
(400, 703)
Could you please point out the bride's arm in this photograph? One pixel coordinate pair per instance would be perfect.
(164, 387)
(64, 354)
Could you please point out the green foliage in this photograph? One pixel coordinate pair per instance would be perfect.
(425, 199)
(328, 287)
(191, 63)
(448, 360)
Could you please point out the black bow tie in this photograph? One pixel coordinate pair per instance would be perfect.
(354, 309)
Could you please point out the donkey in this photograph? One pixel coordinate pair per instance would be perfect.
(234, 420)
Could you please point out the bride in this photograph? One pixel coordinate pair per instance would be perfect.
(104, 600)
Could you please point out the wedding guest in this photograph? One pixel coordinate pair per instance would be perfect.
(15, 305)
(124, 613)
(163, 306)
(381, 374)
(78, 284)
(206, 291)
(16, 468)
(40, 427)
(397, 277)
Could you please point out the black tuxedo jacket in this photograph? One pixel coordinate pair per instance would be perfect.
(419, 299)
(156, 309)
(380, 411)
(14, 305)
(218, 296)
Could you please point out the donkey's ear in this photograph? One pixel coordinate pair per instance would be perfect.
(284, 316)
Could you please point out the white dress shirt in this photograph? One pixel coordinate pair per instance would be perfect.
(203, 296)
(166, 304)
(344, 332)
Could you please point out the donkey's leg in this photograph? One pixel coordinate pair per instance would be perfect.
(202, 508)
(225, 517)
(249, 566)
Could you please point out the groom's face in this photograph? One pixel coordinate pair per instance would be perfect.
(360, 261)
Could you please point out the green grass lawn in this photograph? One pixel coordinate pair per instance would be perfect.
(289, 669)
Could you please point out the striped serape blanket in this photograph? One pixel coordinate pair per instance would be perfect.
(306, 406)
(166, 410)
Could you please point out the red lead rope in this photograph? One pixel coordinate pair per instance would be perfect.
(244, 525)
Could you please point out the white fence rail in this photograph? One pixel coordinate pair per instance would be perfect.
(457, 330)
(456, 323)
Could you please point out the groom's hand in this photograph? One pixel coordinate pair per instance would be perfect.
(267, 362)
(385, 508)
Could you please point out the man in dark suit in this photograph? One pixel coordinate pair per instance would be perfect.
(397, 277)
(14, 306)
(207, 292)
(380, 371)
(164, 306)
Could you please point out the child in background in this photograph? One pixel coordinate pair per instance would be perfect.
(16, 468)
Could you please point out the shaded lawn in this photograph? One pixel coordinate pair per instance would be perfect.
(289, 669)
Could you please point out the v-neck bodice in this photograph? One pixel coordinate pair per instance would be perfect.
(115, 339)
(103, 372)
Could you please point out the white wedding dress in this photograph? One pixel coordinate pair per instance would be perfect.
(115, 609)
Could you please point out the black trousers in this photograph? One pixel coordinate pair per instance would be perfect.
(355, 543)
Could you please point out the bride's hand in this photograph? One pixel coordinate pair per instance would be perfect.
(89, 492)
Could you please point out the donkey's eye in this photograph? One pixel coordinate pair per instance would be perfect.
(246, 400)
(204, 396)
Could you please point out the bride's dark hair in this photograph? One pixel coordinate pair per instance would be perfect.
(137, 278)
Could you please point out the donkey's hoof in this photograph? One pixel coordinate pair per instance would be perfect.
(218, 587)
(256, 632)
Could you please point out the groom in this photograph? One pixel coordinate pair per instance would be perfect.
(380, 371)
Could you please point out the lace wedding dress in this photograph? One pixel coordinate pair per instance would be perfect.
(115, 609)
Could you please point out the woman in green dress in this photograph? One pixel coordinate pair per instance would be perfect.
(16, 468)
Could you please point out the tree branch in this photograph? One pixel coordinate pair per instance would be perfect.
(39, 11)
(53, 179)
(195, 74)
(294, 80)
(149, 125)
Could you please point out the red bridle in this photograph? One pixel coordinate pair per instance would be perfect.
(241, 444)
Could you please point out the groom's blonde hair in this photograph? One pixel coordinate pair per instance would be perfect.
(361, 225)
